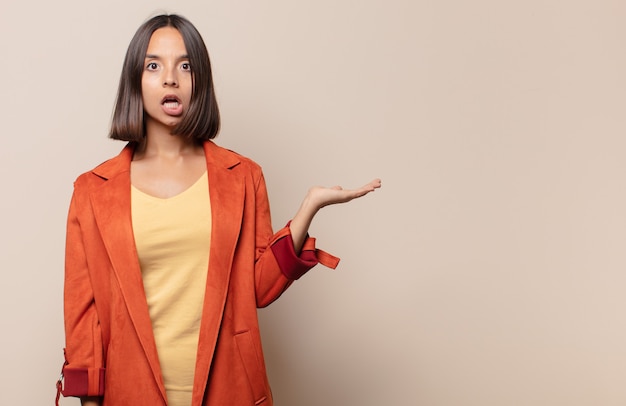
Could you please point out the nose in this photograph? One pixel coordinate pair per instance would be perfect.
(170, 82)
(169, 78)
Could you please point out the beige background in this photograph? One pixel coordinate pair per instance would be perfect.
(489, 270)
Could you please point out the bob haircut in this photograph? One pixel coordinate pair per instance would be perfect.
(201, 121)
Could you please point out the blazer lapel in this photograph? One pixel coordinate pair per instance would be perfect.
(112, 211)
(227, 193)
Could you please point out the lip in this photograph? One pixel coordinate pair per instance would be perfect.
(171, 105)
(170, 97)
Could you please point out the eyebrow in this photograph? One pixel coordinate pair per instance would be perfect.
(154, 56)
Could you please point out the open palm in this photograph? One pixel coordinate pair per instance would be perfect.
(320, 196)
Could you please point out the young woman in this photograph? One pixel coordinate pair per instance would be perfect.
(170, 249)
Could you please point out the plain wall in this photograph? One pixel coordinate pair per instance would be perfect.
(488, 270)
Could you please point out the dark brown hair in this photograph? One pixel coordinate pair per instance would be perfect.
(201, 121)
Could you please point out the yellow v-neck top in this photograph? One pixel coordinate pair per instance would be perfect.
(173, 237)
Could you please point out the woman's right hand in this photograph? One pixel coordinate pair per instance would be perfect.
(91, 401)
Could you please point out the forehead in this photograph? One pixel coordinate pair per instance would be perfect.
(166, 40)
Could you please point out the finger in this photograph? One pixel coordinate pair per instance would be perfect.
(372, 185)
(376, 183)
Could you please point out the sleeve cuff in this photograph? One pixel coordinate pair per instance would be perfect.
(293, 266)
(83, 381)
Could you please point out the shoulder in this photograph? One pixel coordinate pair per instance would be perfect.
(231, 159)
(112, 167)
(247, 162)
(88, 180)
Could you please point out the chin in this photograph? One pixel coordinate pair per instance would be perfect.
(171, 123)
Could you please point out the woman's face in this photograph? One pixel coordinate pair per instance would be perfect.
(166, 83)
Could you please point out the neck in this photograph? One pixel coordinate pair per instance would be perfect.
(159, 141)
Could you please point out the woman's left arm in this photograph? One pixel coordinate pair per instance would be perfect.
(280, 258)
(319, 197)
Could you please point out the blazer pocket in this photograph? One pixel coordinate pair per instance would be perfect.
(252, 364)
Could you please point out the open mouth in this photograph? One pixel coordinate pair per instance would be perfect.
(170, 102)
(172, 105)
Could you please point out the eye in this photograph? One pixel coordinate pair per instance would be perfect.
(186, 66)
(152, 66)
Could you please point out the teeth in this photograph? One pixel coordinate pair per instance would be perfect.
(171, 105)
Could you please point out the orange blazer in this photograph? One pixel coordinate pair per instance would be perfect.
(110, 348)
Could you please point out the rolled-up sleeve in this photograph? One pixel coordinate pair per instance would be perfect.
(292, 265)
